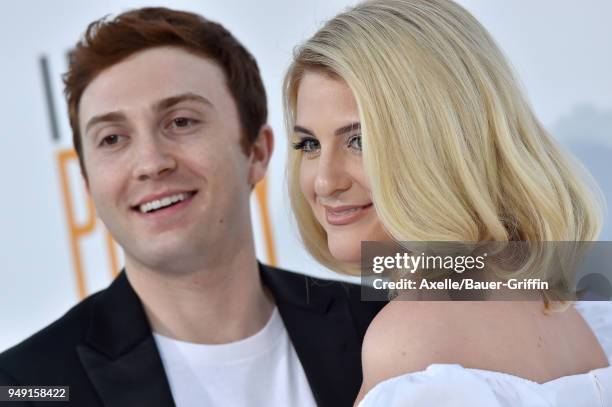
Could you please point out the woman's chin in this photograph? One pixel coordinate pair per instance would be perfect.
(345, 252)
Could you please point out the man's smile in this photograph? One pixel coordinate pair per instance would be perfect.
(163, 201)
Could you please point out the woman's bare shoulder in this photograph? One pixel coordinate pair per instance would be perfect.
(409, 336)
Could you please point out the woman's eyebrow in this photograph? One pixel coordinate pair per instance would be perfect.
(342, 130)
(300, 129)
(348, 128)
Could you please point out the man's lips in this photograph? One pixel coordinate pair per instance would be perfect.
(346, 214)
(159, 201)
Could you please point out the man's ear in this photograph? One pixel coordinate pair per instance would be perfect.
(261, 152)
(85, 181)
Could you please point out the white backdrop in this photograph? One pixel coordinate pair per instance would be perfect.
(561, 49)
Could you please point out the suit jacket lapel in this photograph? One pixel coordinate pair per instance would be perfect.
(122, 361)
(323, 335)
(119, 353)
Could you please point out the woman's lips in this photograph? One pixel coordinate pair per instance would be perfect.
(344, 215)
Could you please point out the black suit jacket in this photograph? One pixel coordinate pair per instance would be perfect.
(104, 350)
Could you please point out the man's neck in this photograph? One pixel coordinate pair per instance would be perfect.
(212, 304)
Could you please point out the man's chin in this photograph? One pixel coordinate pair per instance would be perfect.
(166, 259)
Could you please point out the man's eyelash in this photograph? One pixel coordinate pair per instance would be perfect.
(105, 140)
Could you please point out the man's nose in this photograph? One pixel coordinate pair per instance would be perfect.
(153, 158)
(332, 175)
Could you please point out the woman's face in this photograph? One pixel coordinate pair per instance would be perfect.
(332, 178)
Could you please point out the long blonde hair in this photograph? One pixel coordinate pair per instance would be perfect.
(451, 146)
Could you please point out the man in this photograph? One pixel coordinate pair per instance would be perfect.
(168, 114)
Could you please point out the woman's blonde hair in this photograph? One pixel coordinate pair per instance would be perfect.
(451, 146)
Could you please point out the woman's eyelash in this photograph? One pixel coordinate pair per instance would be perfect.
(299, 145)
(310, 144)
(304, 143)
(354, 138)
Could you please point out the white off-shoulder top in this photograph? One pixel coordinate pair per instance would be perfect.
(445, 385)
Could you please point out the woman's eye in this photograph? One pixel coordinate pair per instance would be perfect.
(355, 142)
(307, 145)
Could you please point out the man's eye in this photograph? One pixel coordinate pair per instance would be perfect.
(110, 140)
(182, 122)
(307, 145)
(355, 142)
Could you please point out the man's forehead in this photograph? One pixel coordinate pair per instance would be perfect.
(148, 77)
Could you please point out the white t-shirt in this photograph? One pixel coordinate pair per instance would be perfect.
(261, 370)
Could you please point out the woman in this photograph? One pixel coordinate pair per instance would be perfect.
(407, 125)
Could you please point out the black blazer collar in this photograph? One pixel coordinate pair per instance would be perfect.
(320, 324)
(122, 360)
(119, 353)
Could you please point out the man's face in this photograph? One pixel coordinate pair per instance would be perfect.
(161, 143)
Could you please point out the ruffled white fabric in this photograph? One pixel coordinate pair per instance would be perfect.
(442, 385)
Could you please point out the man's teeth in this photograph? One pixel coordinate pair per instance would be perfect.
(161, 203)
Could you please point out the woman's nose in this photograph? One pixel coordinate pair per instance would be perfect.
(332, 176)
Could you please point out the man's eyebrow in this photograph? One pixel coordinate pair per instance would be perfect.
(160, 105)
(173, 100)
(107, 117)
(348, 128)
